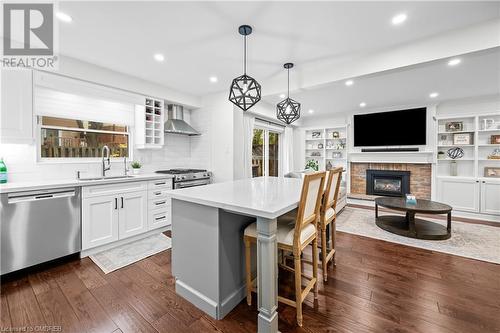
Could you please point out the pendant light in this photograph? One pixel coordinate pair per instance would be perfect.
(245, 91)
(288, 110)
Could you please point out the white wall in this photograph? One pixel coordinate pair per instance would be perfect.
(482, 104)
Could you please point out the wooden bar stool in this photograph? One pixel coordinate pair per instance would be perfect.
(328, 216)
(294, 235)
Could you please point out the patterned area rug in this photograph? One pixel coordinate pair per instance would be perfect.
(124, 255)
(468, 240)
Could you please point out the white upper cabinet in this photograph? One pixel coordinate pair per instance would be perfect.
(16, 121)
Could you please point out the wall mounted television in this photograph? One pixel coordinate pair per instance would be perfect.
(394, 128)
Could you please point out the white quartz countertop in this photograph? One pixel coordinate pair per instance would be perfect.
(267, 197)
(58, 183)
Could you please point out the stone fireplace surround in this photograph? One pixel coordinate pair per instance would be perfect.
(420, 176)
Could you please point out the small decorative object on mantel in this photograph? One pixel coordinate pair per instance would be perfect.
(245, 91)
(441, 155)
(454, 153)
(411, 199)
(454, 126)
(495, 139)
(136, 167)
(462, 139)
(312, 165)
(316, 135)
(335, 135)
(495, 155)
(493, 172)
(320, 146)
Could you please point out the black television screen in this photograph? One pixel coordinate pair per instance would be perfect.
(395, 128)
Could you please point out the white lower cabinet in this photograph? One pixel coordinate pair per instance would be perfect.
(118, 211)
(470, 194)
(99, 221)
(133, 214)
(490, 197)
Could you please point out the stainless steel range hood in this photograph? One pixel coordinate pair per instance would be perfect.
(175, 123)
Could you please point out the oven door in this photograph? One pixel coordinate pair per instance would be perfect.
(191, 183)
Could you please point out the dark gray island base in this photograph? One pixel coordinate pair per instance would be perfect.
(408, 225)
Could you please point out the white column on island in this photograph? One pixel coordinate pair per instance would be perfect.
(267, 272)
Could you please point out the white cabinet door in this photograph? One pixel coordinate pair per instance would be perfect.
(490, 197)
(133, 208)
(16, 121)
(461, 194)
(99, 221)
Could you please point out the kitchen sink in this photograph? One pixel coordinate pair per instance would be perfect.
(105, 178)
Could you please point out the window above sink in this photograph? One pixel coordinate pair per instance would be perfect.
(64, 138)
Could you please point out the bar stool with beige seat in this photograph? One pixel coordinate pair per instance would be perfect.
(294, 236)
(328, 216)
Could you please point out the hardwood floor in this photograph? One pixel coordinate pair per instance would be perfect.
(376, 287)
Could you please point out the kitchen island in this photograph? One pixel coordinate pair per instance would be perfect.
(208, 257)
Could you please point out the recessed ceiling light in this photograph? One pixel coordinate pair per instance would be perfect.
(282, 95)
(349, 83)
(454, 62)
(64, 17)
(433, 95)
(398, 19)
(159, 57)
(311, 111)
(362, 104)
(213, 79)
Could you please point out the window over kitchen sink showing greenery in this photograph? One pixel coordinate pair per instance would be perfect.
(71, 138)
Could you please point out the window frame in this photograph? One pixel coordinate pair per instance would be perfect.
(274, 129)
(73, 160)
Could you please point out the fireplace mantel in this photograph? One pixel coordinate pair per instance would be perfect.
(417, 157)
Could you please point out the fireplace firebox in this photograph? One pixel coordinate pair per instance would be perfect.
(387, 182)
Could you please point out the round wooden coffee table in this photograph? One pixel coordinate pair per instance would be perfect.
(410, 226)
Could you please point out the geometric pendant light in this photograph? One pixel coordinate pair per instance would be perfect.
(288, 110)
(245, 91)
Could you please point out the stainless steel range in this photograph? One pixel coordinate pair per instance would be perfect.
(188, 177)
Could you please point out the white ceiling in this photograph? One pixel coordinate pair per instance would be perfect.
(200, 39)
(478, 74)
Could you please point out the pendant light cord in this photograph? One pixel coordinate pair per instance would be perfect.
(288, 71)
(245, 56)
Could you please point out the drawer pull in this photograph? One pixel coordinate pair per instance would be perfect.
(160, 218)
(157, 193)
(160, 203)
(162, 183)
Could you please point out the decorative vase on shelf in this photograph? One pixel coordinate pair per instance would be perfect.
(453, 168)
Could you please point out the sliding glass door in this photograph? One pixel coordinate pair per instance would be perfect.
(266, 152)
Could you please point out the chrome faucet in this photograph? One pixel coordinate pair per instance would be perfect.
(125, 168)
(105, 157)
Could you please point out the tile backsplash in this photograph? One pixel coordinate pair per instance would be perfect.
(179, 151)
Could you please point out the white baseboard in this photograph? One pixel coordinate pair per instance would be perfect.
(457, 213)
(89, 252)
(230, 302)
(196, 298)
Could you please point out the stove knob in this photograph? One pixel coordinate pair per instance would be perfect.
(194, 176)
(183, 177)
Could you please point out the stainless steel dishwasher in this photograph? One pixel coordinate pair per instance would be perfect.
(39, 226)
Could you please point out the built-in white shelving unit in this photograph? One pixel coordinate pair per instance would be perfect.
(470, 190)
(149, 123)
(328, 147)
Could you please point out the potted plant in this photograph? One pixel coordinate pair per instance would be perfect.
(136, 167)
(312, 164)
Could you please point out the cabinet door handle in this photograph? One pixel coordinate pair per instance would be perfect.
(162, 183)
(160, 203)
(116, 203)
(484, 182)
(122, 202)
